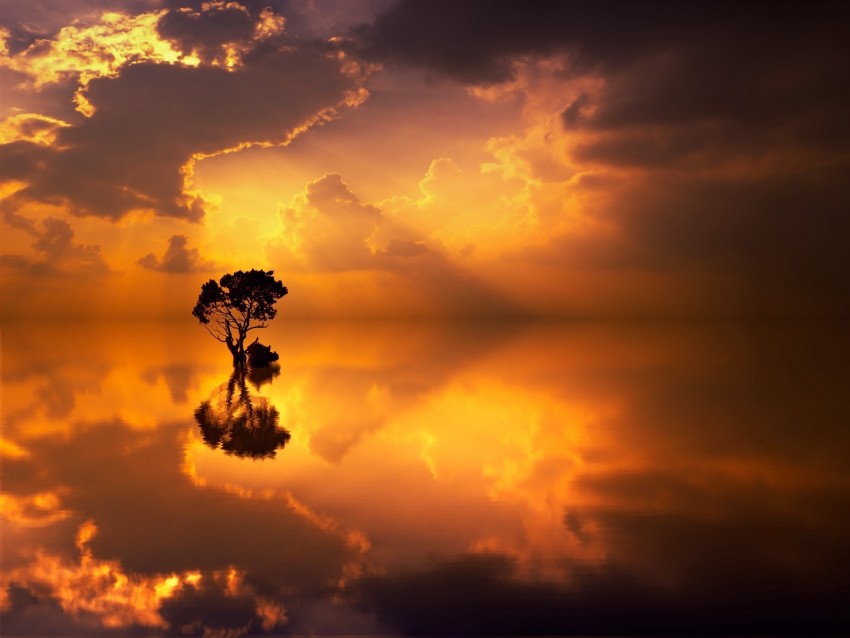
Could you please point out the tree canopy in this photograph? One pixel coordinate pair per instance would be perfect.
(236, 304)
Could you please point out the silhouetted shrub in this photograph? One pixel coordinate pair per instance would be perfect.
(260, 356)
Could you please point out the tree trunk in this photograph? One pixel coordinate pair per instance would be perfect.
(238, 351)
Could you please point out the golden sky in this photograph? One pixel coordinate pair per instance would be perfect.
(426, 158)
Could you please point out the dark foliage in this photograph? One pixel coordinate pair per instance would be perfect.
(260, 356)
(241, 425)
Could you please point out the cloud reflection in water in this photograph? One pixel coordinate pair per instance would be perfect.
(440, 479)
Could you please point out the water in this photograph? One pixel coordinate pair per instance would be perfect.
(427, 479)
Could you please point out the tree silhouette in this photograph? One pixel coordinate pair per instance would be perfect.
(240, 424)
(261, 376)
(238, 303)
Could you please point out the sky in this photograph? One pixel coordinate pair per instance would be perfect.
(412, 158)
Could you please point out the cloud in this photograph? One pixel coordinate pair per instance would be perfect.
(100, 594)
(720, 136)
(219, 33)
(697, 78)
(30, 127)
(475, 41)
(153, 111)
(328, 229)
(773, 243)
(99, 43)
(27, 22)
(178, 258)
(461, 209)
(58, 253)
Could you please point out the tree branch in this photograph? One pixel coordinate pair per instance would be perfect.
(214, 336)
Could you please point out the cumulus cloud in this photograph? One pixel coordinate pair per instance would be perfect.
(57, 252)
(328, 229)
(178, 258)
(459, 209)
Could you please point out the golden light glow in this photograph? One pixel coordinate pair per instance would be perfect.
(118, 40)
(30, 127)
(99, 50)
(97, 587)
(12, 450)
(33, 510)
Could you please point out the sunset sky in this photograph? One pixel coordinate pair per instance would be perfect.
(427, 158)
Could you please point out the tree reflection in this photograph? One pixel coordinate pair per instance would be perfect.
(240, 424)
(261, 376)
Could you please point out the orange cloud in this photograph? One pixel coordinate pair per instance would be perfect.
(127, 157)
(327, 228)
(57, 252)
(93, 589)
(328, 232)
(34, 510)
(31, 127)
(178, 258)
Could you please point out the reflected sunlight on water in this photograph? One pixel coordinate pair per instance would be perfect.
(427, 479)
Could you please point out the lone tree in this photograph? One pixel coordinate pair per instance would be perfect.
(237, 304)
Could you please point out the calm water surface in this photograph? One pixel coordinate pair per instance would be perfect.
(430, 479)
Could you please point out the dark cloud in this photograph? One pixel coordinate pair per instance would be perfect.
(475, 40)
(470, 41)
(734, 115)
(152, 119)
(574, 110)
(178, 258)
(737, 67)
(777, 241)
(722, 523)
(448, 287)
(58, 253)
(481, 595)
(16, 220)
(30, 614)
(209, 609)
(205, 32)
(21, 159)
(29, 21)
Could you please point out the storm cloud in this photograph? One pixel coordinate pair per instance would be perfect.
(719, 132)
(149, 121)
